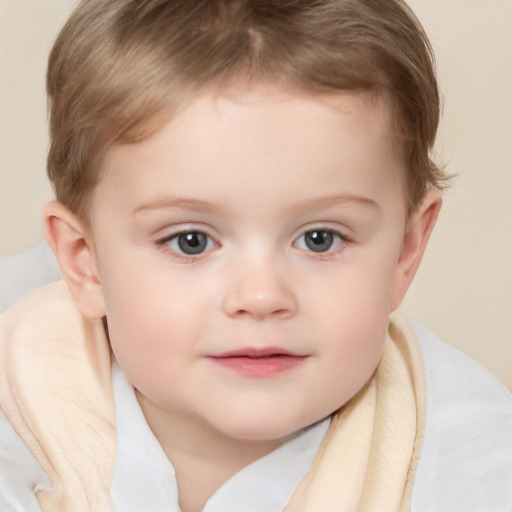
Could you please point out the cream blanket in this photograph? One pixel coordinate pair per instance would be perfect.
(56, 390)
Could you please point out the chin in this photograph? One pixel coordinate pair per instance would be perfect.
(268, 430)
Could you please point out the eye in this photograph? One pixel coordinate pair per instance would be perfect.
(190, 243)
(319, 240)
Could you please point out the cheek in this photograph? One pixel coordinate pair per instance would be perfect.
(152, 344)
(353, 321)
(356, 297)
(143, 323)
(150, 324)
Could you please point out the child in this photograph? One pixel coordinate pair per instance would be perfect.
(244, 193)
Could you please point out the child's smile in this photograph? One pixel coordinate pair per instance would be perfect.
(260, 361)
(249, 259)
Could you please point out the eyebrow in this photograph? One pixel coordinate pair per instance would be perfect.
(197, 205)
(167, 203)
(331, 201)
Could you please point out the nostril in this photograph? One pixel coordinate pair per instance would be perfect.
(258, 313)
(242, 303)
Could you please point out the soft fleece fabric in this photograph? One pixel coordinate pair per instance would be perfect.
(56, 390)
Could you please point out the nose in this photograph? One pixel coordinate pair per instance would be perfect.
(260, 291)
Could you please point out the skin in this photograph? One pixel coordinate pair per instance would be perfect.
(257, 173)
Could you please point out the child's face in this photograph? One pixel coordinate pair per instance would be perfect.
(248, 255)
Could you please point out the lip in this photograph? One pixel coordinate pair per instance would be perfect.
(258, 362)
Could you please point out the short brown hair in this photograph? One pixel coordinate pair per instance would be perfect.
(117, 65)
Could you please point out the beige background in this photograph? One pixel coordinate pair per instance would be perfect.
(464, 289)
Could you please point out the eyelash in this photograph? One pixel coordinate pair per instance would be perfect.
(340, 239)
(164, 243)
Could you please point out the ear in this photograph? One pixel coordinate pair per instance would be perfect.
(417, 232)
(72, 245)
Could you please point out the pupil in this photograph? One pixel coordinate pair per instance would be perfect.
(319, 241)
(192, 243)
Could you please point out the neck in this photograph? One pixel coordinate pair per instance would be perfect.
(203, 458)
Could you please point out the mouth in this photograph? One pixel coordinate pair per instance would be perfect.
(258, 362)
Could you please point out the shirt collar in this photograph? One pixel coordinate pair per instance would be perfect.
(144, 479)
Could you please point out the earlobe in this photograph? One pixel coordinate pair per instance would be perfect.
(75, 253)
(417, 233)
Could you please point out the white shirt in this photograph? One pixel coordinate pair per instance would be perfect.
(26, 271)
(465, 463)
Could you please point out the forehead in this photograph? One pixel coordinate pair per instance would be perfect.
(259, 137)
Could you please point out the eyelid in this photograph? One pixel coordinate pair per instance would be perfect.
(331, 227)
(331, 231)
(344, 241)
(163, 243)
(169, 231)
